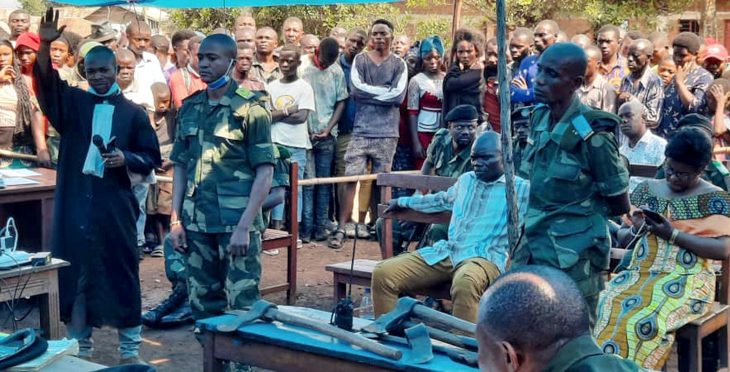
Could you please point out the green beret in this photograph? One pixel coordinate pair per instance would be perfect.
(462, 113)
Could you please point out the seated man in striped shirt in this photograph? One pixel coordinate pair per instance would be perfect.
(477, 249)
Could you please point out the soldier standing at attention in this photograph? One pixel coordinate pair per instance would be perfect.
(578, 180)
(224, 161)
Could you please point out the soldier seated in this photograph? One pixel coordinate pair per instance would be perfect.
(476, 251)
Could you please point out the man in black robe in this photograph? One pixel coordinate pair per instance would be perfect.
(95, 210)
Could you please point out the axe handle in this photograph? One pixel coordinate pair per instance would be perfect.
(17, 155)
(351, 338)
(429, 315)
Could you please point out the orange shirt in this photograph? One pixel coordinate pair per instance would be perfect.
(182, 86)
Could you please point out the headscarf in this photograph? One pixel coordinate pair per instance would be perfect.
(431, 44)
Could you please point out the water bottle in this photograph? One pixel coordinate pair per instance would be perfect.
(366, 306)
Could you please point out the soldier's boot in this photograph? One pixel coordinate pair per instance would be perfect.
(179, 296)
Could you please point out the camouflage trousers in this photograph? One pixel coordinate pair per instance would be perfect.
(216, 282)
(175, 268)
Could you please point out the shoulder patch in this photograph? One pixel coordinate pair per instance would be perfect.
(602, 121)
(581, 125)
(245, 93)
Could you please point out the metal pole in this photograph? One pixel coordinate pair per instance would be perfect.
(504, 114)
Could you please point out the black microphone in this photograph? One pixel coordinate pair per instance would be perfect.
(99, 143)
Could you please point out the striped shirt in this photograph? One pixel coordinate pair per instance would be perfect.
(478, 226)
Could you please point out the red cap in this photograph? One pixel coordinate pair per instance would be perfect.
(716, 51)
(30, 40)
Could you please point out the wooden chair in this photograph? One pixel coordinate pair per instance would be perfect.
(275, 239)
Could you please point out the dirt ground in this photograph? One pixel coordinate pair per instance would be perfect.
(177, 350)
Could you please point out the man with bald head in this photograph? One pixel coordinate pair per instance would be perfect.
(532, 319)
(582, 40)
(522, 88)
(401, 44)
(265, 68)
(309, 45)
(245, 36)
(642, 85)
(94, 221)
(216, 204)
(641, 145)
(244, 21)
(577, 175)
(292, 30)
(477, 248)
(596, 92)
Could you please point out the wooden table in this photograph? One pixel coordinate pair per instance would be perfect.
(42, 281)
(280, 347)
(42, 192)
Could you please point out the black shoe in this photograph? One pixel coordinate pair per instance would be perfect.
(178, 297)
(182, 315)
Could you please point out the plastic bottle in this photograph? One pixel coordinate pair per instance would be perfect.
(366, 306)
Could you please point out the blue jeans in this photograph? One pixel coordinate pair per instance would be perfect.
(129, 341)
(298, 155)
(317, 198)
(140, 193)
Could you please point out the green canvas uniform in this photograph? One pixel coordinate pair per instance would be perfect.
(572, 166)
(221, 145)
(445, 163)
(715, 173)
(581, 354)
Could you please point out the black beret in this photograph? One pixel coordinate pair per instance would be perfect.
(521, 113)
(687, 40)
(462, 113)
(696, 121)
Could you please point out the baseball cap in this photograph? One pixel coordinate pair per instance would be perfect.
(716, 51)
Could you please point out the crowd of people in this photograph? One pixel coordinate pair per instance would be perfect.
(224, 114)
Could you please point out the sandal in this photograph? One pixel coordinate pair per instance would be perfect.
(158, 252)
(337, 238)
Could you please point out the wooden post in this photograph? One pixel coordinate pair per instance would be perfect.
(456, 20)
(506, 124)
(709, 19)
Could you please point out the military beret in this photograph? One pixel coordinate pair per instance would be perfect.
(521, 113)
(462, 113)
(687, 40)
(696, 121)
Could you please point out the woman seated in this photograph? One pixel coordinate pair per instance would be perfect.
(677, 226)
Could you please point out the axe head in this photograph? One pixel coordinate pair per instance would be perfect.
(420, 343)
(386, 322)
(255, 312)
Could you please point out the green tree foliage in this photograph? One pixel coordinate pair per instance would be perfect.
(34, 7)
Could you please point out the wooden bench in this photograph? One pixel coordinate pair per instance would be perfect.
(275, 239)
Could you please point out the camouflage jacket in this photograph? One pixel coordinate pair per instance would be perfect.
(441, 156)
(221, 145)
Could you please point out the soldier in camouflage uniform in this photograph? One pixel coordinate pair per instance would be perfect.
(576, 175)
(224, 162)
(448, 155)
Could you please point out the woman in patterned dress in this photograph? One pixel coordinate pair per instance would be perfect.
(670, 280)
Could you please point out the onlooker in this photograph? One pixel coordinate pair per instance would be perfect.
(662, 48)
(718, 107)
(180, 53)
(354, 44)
(186, 80)
(243, 21)
(401, 44)
(309, 44)
(425, 98)
(641, 145)
(686, 93)
(533, 319)
(148, 70)
(520, 46)
(26, 50)
(160, 46)
(666, 70)
(104, 33)
(522, 87)
(716, 60)
(630, 37)
(463, 81)
(339, 34)
(330, 96)
(521, 124)
(265, 67)
(292, 101)
(379, 82)
(582, 40)
(613, 66)
(126, 64)
(245, 36)
(19, 22)
(292, 30)
(596, 92)
(491, 93)
(242, 72)
(642, 84)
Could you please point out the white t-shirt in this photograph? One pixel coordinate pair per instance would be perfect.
(286, 94)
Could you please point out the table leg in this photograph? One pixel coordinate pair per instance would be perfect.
(49, 308)
(47, 206)
(340, 287)
(210, 362)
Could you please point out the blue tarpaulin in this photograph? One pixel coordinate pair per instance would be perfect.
(214, 3)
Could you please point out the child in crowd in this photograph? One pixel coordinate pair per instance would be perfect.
(666, 70)
(159, 201)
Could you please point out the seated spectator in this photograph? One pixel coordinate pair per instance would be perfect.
(463, 81)
(242, 72)
(686, 93)
(718, 106)
(534, 319)
(476, 251)
(425, 97)
(670, 280)
(715, 61)
(641, 145)
(596, 91)
(642, 84)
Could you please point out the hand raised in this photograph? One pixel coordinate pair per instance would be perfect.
(48, 29)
